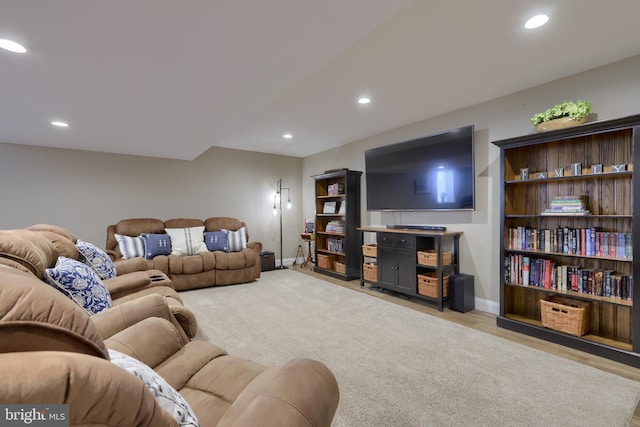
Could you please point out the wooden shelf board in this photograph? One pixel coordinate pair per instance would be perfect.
(624, 174)
(603, 258)
(589, 337)
(607, 300)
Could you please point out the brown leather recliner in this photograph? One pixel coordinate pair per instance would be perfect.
(51, 351)
(35, 249)
(189, 271)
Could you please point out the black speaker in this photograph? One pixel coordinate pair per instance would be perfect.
(462, 296)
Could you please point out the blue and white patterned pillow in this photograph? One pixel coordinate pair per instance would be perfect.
(217, 240)
(156, 244)
(166, 396)
(79, 282)
(130, 247)
(237, 239)
(97, 259)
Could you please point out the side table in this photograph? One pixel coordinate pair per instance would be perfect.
(307, 237)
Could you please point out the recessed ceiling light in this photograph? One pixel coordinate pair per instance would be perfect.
(60, 124)
(364, 100)
(536, 21)
(287, 136)
(12, 46)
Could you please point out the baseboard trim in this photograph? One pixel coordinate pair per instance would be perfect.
(487, 305)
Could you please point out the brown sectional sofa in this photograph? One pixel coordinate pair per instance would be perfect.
(188, 271)
(52, 351)
(37, 248)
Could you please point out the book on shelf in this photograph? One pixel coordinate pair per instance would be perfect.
(573, 241)
(568, 205)
(335, 245)
(525, 270)
(335, 226)
(547, 274)
(335, 189)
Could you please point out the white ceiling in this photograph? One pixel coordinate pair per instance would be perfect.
(169, 78)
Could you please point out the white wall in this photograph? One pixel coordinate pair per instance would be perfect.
(614, 91)
(86, 191)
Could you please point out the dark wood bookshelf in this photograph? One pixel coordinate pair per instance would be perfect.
(612, 198)
(347, 185)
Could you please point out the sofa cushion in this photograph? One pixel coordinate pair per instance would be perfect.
(187, 241)
(36, 317)
(27, 250)
(79, 282)
(64, 246)
(217, 223)
(156, 244)
(64, 232)
(237, 239)
(166, 396)
(130, 247)
(137, 226)
(97, 259)
(217, 240)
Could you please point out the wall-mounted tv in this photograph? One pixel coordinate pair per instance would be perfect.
(434, 172)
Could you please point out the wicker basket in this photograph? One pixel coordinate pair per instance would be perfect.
(566, 315)
(428, 285)
(340, 267)
(326, 260)
(370, 250)
(370, 272)
(430, 258)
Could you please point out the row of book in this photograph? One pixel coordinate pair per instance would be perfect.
(335, 245)
(335, 189)
(335, 226)
(573, 241)
(546, 273)
(568, 205)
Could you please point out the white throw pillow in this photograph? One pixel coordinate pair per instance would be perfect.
(166, 396)
(237, 239)
(187, 241)
(130, 247)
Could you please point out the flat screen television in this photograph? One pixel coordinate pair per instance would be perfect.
(434, 172)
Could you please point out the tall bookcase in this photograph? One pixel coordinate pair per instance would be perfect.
(572, 254)
(338, 241)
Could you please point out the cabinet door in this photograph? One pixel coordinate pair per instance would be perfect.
(387, 268)
(406, 262)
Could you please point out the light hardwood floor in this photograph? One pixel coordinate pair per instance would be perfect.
(486, 322)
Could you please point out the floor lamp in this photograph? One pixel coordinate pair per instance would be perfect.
(277, 209)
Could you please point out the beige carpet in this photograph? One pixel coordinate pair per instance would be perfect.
(399, 367)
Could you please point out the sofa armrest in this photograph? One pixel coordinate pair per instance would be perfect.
(113, 254)
(120, 317)
(151, 341)
(98, 392)
(302, 392)
(184, 317)
(129, 283)
(257, 246)
(129, 265)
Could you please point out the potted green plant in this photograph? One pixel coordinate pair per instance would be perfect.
(565, 114)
